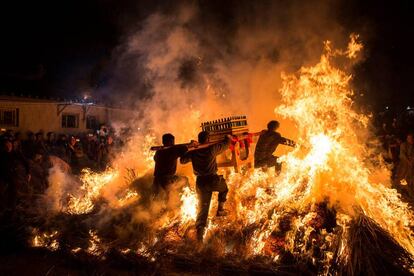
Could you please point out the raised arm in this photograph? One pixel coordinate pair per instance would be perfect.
(284, 141)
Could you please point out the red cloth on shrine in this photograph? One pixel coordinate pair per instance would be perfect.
(242, 142)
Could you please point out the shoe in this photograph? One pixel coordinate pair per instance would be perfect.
(221, 213)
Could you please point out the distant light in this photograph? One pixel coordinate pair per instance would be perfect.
(386, 107)
(408, 107)
(86, 96)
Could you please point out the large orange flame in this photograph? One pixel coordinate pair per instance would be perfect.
(331, 163)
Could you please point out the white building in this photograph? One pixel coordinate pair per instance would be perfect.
(29, 114)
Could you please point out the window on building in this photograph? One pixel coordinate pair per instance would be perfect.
(70, 120)
(9, 117)
(91, 122)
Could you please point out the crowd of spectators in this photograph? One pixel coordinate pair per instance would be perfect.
(395, 131)
(25, 164)
(91, 150)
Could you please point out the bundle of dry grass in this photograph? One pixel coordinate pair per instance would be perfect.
(373, 251)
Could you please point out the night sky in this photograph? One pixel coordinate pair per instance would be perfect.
(51, 49)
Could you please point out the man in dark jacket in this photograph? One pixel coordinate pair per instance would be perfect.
(267, 144)
(205, 168)
(166, 164)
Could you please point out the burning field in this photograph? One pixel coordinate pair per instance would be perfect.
(331, 210)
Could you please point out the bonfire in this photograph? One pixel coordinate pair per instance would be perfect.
(331, 210)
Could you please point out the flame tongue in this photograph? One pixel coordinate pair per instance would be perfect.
(338, 165)
(92, 185)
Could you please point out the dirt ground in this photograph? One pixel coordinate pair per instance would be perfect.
(43, 262)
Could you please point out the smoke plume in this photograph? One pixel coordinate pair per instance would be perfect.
(205, 60)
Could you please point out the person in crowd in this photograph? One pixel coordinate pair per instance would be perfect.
(29, 145)
(393, 148)
(405, 173)
(51, 142)
(9, 133)
(105, 151)
(82, 158)
(40, 141)
(101, 153)
(72, 153)
(93, 147)
(17, 142)
(14, 174)
(39, 168)
(61, 148)
(166, 164)
(103, 130)
(266, 146)
(8, 193)
(208, 181)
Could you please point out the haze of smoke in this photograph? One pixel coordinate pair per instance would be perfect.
(191, 64)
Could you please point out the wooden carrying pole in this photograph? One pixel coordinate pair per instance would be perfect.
(192, 146)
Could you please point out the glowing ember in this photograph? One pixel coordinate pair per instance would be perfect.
(95, 247)
(45, 239)
(129, 197)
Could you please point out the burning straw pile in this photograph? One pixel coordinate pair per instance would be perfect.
(330, 211)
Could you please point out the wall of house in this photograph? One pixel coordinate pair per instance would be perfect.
(47, 115)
